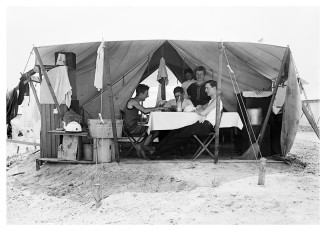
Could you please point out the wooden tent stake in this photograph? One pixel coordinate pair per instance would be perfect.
(48, 82)
(111, 102)
(262, 170)
(97, 195)
(218, 97)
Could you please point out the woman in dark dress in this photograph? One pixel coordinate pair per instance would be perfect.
(196, 91)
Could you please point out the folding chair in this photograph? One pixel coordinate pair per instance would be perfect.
(204, 145)
(134, 138)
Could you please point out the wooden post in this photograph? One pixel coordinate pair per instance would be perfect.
(310, 119)
(48, 82)
(218, 97)
(40, 72)
(97, 195)
(278, 80)
(262, 170)
(111, 102)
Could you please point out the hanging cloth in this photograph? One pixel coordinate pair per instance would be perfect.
(59, 80)
(162, 73)
(98, 80)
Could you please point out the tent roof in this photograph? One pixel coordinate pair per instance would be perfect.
(255, 66)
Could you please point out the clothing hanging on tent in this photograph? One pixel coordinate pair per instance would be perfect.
(98, 80)
(162, 74)
(59, 80)
(23, 90)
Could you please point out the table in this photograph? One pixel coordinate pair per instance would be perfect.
(71, 134)
(175, 120)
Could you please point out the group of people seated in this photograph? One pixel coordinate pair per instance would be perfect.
(195, 95)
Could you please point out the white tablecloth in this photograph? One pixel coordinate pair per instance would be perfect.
(175, 120)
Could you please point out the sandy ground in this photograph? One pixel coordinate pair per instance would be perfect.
(167, 192)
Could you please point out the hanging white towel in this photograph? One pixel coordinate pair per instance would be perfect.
(59, 80)
(98, 80)
(162, 71)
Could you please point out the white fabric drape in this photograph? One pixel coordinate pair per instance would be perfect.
(59, 80)
(98, 80)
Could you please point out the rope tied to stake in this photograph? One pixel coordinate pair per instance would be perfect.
(237, 91)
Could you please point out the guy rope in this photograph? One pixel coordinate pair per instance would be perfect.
(241, 106)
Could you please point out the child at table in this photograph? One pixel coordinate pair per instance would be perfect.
(202, 127)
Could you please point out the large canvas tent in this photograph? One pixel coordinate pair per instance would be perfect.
(255, 65)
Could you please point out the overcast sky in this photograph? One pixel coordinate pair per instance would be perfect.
(297, 27)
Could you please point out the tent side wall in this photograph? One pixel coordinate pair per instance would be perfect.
(291, 110)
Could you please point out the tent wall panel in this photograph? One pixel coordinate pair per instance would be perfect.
(263, 60)
(122, 91)
(123, 58)
(291, 110)
(247, 78)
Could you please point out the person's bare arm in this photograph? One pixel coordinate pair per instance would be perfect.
(134, 103)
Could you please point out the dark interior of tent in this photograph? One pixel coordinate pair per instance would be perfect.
(256, 66)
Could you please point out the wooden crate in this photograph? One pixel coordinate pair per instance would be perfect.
(70, 147)
(103, 150)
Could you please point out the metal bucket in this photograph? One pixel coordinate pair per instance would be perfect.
(255, 116)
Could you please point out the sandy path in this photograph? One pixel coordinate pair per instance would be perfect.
(166, 192)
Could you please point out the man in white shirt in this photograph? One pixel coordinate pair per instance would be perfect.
(202, 127)
(178, 95)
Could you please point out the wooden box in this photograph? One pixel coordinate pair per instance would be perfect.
(104, 150)
(70, 59)
(98, 130)
(70, 147)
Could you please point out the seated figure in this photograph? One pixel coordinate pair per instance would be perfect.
(178, 95)
(131, 111)
(205, 124)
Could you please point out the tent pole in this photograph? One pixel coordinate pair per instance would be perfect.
(218, 98)
(111, 102)
(310, 118)
(46, 77)
(40, 73)
(278, 80)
